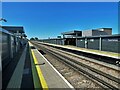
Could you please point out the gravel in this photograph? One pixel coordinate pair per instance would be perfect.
(76, 79)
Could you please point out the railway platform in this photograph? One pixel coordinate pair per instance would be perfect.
(18, 74)
(32, 70)
(49, 77)
(97, 52)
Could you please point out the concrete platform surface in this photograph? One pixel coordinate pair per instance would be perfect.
(16, 79)
(53, 78)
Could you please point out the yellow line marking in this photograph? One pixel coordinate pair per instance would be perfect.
(40, 75)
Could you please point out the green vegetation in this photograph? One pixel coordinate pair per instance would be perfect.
(34, 38)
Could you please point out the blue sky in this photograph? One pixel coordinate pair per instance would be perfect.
(50, 19)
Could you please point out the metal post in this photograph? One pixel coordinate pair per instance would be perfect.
(100, 43)
(17, 32)
(63, 41)
(76, 40)
(63, 36)
(56, 41)
(16, 40)
(11, 48)
(86, 42)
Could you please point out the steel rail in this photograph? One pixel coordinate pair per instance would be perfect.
(76, 64)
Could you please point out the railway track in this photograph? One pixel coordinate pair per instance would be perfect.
(101, 78)
(110, 60)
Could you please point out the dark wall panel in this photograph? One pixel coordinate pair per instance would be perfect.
(5, 50)
(81, 43)
(5, 47)
(110, 44)
(59, 41)
(93, 43)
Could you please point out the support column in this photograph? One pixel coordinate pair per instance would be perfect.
(76, 40)
(86, 43)
(16, 41)
(63, 41)
(11, 46)
(63, 36)
(17, 32)
(100, 44)
(56, 41)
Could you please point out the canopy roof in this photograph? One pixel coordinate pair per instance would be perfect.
(14, 29)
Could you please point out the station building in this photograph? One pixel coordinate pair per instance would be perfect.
(70, 38)
(98, 39)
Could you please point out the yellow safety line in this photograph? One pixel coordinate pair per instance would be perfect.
(40, 75)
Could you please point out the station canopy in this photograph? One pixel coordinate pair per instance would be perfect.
(14, 29)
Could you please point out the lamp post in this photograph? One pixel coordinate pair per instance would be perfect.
(2, 19)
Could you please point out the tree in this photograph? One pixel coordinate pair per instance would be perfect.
(36, 38)
(32, 38)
